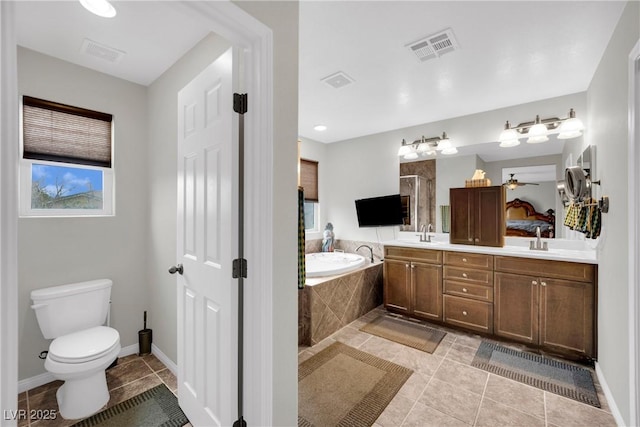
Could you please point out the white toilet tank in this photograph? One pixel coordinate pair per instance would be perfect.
(64, 309)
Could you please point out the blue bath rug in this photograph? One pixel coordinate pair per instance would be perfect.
(551, 375)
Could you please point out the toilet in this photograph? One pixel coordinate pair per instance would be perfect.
(82, 348)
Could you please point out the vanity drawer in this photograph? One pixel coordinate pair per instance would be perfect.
(411, 254)
(468, 290)
(468, 313)
(546, 268)
(464, 259)
(482, 277)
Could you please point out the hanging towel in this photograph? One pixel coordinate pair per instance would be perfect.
(302, 275)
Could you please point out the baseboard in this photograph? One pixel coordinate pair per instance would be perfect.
(164, 359)
(46, 377)
(610, 400)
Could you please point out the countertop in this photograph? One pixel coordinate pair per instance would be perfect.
(586, 256)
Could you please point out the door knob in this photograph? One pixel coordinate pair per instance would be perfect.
(176, 269)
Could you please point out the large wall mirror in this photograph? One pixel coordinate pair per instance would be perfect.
(425, 185)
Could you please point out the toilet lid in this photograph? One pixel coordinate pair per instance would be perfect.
(83, 346)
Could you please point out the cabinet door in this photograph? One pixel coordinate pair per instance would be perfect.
(462, 215)
(426, 287)
(516, 303)
(566, 315)
(397, 291)
(490, 219)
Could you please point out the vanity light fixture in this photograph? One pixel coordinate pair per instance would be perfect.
(538, 130)
(426, 147)
(99, 7)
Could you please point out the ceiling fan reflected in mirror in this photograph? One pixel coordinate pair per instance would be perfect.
(513, 183)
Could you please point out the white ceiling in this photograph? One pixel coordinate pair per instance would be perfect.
(153, 34)
(510, 52)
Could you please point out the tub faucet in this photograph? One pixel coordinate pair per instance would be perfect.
(538, 245)
(370, 250)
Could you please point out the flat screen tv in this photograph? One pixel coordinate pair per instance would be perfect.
(379, 211)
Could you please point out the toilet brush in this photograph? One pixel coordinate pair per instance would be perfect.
(144, 338)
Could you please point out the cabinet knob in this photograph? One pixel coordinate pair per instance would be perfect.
(464, 312)
(406, 265)
(413, 266)
(464, 260)
(543, 283)
(464, 275)
(470, 239)
(477, 239)
(464, 290)
(534, 282)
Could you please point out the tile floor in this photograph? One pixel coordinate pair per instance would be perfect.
(445, 390)
(131, 376)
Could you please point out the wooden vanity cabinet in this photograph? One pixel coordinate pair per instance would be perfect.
(468, 291)
(413, 282)
(477, 215)
(546, 303)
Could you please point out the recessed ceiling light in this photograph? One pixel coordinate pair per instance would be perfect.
(320, 128)
(99, 7)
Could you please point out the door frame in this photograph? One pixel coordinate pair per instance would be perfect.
(634, 234)
(256, 40)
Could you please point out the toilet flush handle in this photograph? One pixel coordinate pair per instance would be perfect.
(177, 268)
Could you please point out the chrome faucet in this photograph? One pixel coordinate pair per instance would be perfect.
(370, 250)
(538, 245)
(424, 237)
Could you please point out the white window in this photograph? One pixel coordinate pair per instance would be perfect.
(66, 165)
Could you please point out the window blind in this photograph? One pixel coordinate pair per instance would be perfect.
(309, 179)
(62, 133)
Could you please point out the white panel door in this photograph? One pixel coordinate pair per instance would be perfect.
(207, 294)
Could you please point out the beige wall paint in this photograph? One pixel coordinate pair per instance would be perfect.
(56, 251)
(608, 124)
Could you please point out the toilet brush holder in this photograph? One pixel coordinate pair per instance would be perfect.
(145, 336)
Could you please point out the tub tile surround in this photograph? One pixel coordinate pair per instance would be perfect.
(335, 301)
(131, 376)
(446, 390)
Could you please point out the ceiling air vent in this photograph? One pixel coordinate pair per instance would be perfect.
(434, 45)
(104, 52)
(338, 80)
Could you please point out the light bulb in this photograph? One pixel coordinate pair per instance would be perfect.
(99, 7)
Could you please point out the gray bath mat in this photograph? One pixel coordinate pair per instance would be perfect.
(547, 374)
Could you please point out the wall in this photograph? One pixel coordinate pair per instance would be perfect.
(283, 17)
(162, 175)
(608, 124)
(368, 166)
(55, 251)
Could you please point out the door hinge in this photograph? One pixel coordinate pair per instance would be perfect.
(239, 268)
(240, 103)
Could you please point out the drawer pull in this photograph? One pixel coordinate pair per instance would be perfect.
(464, 312)
(464, 275)
(543, 283)
(464, 290)
(464, 260)
(534, 282)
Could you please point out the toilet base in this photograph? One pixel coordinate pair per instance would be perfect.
(82, 397)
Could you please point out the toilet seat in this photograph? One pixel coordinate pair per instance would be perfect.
(84, 346)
